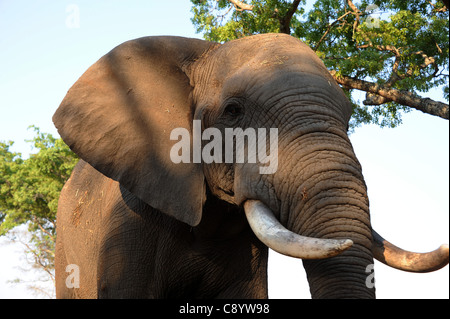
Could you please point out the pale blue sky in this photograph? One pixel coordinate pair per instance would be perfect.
(42, 56)
(406, 168)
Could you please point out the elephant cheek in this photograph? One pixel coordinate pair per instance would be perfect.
(249, 183)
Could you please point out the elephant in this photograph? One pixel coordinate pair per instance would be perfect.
(138, 220)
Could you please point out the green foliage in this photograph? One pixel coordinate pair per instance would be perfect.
(400, 44)
(29, 191)
(220, 22)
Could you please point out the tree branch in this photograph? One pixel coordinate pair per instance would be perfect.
(329, 28)
(356, 13)
(443, 9)
(45, 231)
(285, 22)
(240, 6)
(425, 105)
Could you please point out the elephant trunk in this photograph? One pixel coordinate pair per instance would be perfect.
(321, 211)
(326, 198)
(329, 227)
(336, 206)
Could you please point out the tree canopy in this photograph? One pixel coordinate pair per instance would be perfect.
(392, 50)
(29, 192)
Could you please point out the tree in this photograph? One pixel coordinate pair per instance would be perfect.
(392, 50)
(29, 192)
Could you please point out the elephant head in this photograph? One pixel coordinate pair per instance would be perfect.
(121, 114)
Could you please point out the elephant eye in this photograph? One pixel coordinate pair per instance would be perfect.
(233, 110)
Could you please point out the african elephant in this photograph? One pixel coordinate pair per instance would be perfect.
(140, 221)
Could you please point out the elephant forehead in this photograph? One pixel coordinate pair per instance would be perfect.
(271, 52)
(302, 60)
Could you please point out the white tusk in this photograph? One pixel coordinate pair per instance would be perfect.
(269, 230)
(398, 258)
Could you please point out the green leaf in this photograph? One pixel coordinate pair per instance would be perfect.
(384, 35)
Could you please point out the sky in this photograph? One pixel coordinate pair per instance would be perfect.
(45, 46)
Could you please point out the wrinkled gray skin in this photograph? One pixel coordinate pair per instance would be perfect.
(139, 225)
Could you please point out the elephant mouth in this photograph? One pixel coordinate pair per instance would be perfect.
(275, 236)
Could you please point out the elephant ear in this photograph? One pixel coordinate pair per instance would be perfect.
(119, 115)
